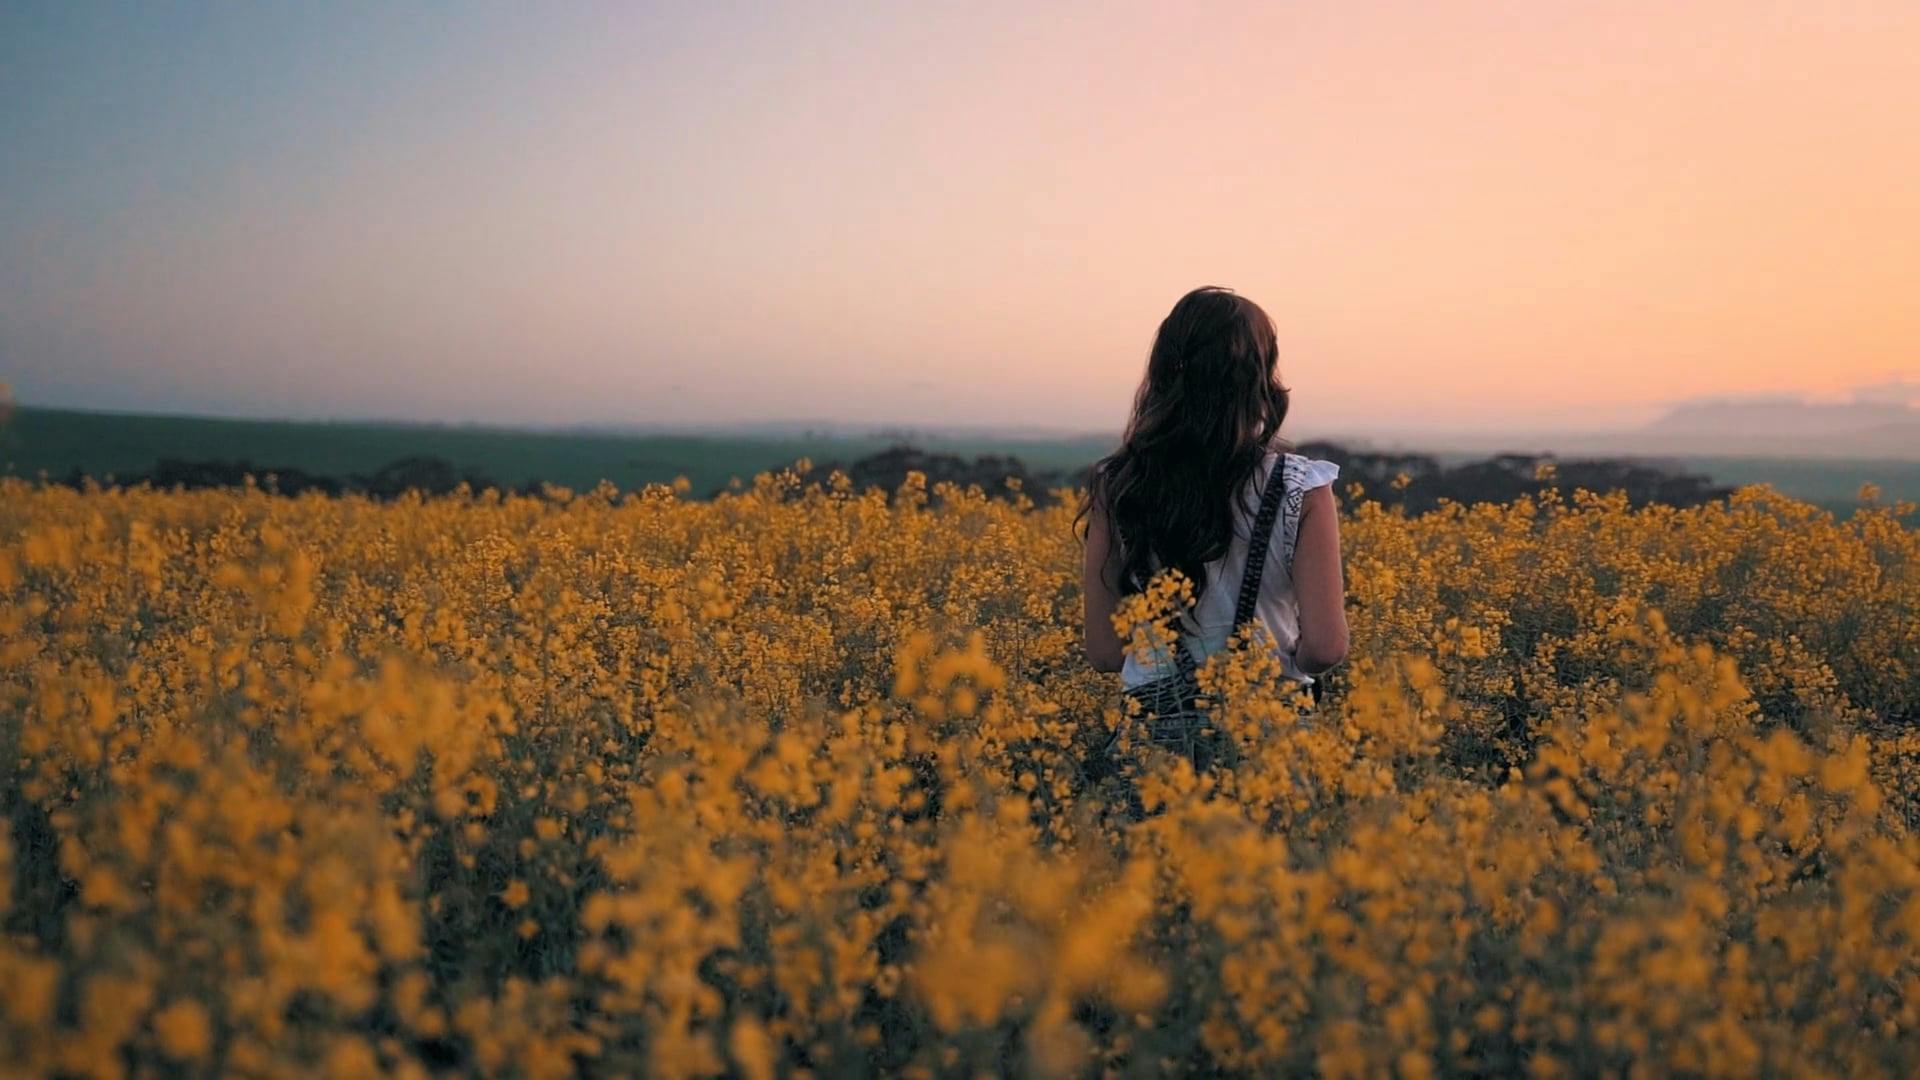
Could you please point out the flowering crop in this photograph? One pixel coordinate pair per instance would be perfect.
(797, 782)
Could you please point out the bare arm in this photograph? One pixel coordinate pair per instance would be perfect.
(1103, 645)
(1319, 586)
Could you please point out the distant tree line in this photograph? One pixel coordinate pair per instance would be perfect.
(424, 474)
(1505, 477)
(1417, 482)
(997, 475)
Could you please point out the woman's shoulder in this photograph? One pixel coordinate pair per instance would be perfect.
(1306, 473)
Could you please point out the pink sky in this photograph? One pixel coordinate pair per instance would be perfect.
(1460, 215)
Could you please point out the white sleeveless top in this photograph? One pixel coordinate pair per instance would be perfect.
(1276, 607)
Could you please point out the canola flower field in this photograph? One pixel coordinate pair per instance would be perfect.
(798, 783)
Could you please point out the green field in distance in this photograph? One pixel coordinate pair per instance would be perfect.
(57, 441)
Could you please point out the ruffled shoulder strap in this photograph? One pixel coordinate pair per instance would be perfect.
(1303, 474)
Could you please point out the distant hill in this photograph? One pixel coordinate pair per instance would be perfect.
(1782, 427)
(1773, 428)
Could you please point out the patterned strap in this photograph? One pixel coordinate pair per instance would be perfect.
(1296, 495)
(1257, 545)
(1271, 496)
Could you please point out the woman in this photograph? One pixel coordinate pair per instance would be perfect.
(1182, 491)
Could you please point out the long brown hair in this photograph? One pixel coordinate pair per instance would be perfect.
(1207, 412)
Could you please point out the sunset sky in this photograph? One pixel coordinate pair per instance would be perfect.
(1464, 216)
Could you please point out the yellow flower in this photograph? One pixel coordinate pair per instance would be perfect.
(751, 1048)
(1598, 783)
(183, 1031)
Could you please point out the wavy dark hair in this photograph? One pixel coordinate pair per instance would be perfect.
(1206, 414)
